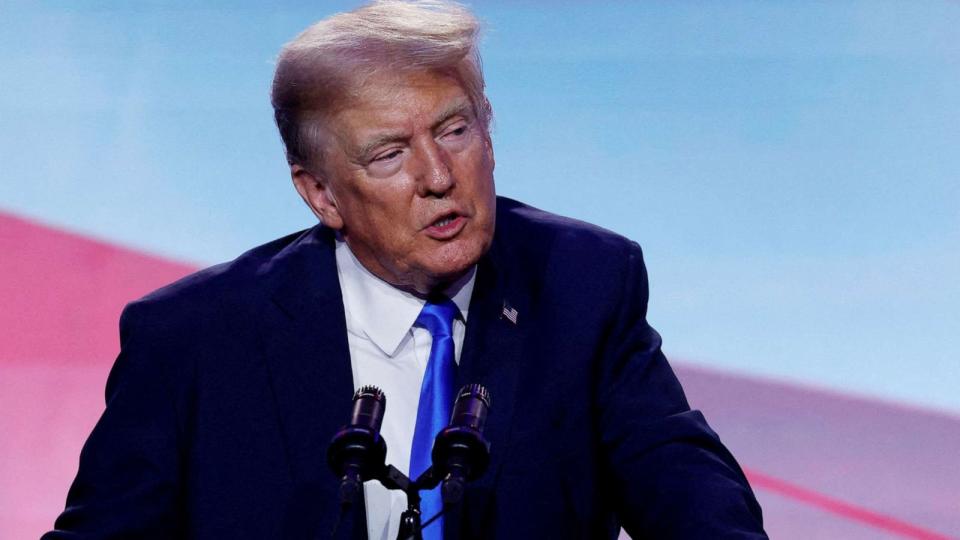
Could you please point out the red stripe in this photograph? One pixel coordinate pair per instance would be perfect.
(841, 508)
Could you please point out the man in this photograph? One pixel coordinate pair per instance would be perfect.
(231, 382)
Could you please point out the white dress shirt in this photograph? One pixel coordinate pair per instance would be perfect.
(387, 351)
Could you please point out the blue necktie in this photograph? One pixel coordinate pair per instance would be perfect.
(436, 402)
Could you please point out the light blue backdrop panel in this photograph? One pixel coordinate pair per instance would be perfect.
(791, 168)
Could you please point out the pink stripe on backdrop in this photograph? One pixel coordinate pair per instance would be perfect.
(897, 461)
(843, 509)
(61, 294)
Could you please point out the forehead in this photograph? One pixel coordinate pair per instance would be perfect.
(400, 100)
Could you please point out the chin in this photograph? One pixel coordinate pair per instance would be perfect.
(447, 273)
(448, 267)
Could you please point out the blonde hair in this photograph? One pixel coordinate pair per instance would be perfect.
(331, 59)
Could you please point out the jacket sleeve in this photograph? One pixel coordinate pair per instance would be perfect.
(672, 477)
(129, 480)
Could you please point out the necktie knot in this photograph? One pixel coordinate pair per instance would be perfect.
(437, 317)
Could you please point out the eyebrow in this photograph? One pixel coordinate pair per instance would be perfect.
(379, 140)
(457, 108)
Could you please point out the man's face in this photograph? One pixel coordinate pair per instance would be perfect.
(407, 177)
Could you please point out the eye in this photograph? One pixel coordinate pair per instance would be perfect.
(457, 131)
(387, 162)
(387, 156)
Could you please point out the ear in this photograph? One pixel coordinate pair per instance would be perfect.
(315, 191)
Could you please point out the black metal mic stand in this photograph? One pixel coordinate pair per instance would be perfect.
(410, 520)
(460, 454)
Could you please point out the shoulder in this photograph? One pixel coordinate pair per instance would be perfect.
(566, 263)
(531, 233)
(227, 288)
(205, 323)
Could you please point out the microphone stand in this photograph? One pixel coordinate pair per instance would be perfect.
(460, 450)
(410, 520)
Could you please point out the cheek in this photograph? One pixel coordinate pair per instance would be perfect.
(384, 204)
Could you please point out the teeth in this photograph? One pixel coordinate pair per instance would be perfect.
(443, 222)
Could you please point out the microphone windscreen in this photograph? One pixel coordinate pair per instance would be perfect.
(470, 408)
(369, 404)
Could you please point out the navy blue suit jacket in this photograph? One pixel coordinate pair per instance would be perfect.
(231, 382)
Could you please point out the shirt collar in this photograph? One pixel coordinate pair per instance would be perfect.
(381, 312)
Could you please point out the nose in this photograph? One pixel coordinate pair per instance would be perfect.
(434, 177)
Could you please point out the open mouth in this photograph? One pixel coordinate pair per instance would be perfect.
(444, 221)
(446, 226)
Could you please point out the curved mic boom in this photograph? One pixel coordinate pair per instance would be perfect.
(357, 452)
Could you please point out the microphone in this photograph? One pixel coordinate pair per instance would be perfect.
(357, 452)
(460, 452)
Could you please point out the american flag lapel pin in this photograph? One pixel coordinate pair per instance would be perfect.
(509, 312)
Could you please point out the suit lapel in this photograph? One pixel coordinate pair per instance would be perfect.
(492, 356)
(304, 340)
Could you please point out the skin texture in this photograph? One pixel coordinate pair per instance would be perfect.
(405, 151)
